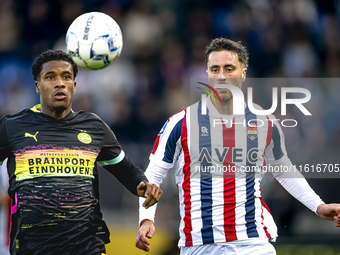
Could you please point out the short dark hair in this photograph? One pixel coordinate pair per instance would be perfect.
(51, 55)
(219, 44)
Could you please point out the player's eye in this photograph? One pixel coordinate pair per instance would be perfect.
(50, 77)
(67, 77)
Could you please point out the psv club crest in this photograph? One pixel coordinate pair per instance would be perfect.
(252, 131)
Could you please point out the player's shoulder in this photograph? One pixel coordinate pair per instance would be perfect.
(175, 118)
(93, 118)
(88, 116)
(178, 115)
(12, 117)
(183, 112)
(173, 121)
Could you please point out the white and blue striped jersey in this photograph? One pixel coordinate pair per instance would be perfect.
(219, 206)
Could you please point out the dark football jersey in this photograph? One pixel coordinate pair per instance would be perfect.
(54, 180)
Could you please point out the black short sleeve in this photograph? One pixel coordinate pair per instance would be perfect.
(111, 149)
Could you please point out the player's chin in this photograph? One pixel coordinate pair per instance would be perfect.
(225, 98)
(60, 107)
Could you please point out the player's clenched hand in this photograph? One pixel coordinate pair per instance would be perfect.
(147, 230)
(151, 192)
(330, 212)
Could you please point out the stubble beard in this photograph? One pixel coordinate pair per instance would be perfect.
(226, 98)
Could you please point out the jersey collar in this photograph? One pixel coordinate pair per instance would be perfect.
(37, 108)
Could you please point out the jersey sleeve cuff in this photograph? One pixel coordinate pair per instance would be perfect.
(114, 161)
(148, 214)
(319, 202)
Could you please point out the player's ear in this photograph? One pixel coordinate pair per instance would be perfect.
(74, 86)
(244, 72)
(37, 87)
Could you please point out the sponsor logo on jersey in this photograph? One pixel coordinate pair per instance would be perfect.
(219, 155)
(84, 138)
(204, 131)
(54, 162)
(163, 128)
(33, 136)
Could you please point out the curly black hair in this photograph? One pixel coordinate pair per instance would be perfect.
(51, 55)
(219, 44)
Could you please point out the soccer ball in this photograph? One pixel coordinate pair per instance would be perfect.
(94, 40)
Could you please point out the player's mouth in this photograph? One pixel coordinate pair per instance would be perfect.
(222, 89)
(219, 89)
(59, 95)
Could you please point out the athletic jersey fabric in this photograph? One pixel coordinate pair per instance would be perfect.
(54, 180)
(220, 206)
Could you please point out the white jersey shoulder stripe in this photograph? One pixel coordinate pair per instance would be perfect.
(167, 145)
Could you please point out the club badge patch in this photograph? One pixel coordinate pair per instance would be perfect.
(84, 138)
(252, 131)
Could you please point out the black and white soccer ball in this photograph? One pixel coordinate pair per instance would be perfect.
(94, 40)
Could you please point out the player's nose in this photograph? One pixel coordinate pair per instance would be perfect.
(60, 83)
(222, 75)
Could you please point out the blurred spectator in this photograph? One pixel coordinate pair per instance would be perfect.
(300, 59)
(9, 26)
(142, 31)
(163, 47)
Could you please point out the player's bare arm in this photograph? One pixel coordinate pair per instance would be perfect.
(146, 231)
(151, 192)
(330, 212)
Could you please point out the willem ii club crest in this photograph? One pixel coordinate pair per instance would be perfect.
(252, 131)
